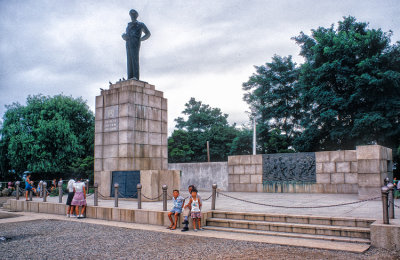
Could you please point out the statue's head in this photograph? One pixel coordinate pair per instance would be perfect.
(134, 14)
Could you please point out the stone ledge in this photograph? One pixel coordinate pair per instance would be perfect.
(386, 236)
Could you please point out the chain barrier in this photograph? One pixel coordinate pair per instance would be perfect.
(151, 198)
(300, 207)
(126, 197)
(207, 198)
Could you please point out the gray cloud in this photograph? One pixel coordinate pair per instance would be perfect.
(204, 49)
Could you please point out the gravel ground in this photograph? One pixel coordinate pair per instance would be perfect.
(73, 240)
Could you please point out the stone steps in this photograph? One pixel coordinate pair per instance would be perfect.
(325, 230)
(301, 227)
(296, 219)
(290, 235)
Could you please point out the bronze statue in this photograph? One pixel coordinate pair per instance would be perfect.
(133, 37)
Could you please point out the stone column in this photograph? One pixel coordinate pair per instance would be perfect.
(130, 131)
(372, 166)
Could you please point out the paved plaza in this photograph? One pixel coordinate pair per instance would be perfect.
(31, 235)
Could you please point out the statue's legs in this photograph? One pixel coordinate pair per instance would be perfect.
(132, 51)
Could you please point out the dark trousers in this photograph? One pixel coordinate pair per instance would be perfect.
(132, 53)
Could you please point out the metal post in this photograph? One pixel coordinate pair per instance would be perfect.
(208, 151)
(254, 136)
(116, 186)
(385, 191)
(386, 181)
(139, 196)
(44, 191)
(17, 191)
(60, 192)
(164, 196)
(87, 186)
(214, 196)
(41, 189)
(30, 194)
(96, 194)
(391, 200)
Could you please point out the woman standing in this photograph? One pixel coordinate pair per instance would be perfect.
(71, 194)
(79, 197)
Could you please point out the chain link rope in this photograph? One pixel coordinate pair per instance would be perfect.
(299, 207)
(151, 198)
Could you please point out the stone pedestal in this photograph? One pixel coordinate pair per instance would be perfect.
(130, 131)
(374, 165)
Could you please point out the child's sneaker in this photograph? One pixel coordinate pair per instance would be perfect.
(201, 229)
(195, 230)
(73, 216)
(68, 215)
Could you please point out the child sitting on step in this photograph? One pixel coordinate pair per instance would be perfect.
(176, 209)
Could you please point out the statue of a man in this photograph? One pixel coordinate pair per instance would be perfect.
(133, 37)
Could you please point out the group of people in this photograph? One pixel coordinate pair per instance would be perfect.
(76, 198)
(192, 209)
(29, 186)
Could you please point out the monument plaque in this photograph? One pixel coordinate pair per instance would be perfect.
(111, 119)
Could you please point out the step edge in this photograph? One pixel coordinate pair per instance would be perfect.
(286, 224)
(292, 235)
(296, 216)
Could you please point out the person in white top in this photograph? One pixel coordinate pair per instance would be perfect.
(79, 197)
(195, 204)
(71, 193)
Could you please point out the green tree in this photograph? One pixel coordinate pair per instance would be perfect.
(349, 87)
(242, 144)
(203, 123)
(273, 98)
(178, 147)
(48, 136)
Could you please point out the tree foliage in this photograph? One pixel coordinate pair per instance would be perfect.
(273, 99)
(346, 93)
(349, 87)
(203, 123)
(50, 135)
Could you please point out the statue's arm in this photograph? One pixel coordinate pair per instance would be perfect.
(124, 36)
(146, 33)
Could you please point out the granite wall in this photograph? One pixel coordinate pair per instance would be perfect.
(202, 175)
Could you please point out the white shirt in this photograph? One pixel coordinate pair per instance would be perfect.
(79, 186)
(70, 185)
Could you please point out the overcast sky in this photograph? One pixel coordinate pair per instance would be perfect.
(201, 49)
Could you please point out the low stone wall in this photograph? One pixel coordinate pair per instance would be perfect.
(202, 175)
(141, 216)
(337, 171)
(359, 171)
(386, 236)
(245, 173)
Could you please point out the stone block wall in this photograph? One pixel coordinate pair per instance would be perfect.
(359, 171)
(153, 180)
(374, 165)
(130, 131)
(245, 173)
(336, 171)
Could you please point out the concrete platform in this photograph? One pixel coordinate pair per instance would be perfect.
(367, 209)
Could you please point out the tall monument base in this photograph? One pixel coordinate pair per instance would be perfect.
(130, 137)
